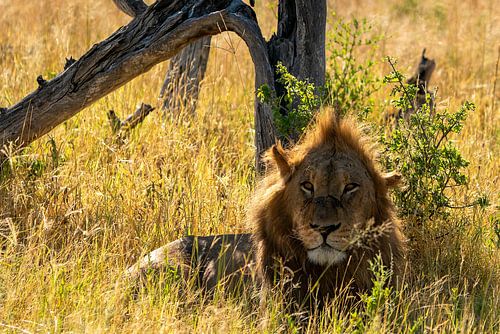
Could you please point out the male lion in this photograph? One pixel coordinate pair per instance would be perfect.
(322, 212)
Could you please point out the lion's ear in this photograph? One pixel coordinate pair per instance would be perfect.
(392, 179)
(278, 156)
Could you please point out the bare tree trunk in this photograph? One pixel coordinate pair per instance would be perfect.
(186, 69)
(299, 42)
(421, 80)
(424, 95)
(156, 35)
(184, 75)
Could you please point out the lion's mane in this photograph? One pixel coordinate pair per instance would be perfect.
(275, 241)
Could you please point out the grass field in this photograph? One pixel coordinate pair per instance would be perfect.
(76, 209)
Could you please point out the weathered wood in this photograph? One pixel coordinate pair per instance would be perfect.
(185, 71)
(421, 80)
(131, 7)
(122, 128)
(164, 29)
(299, 42)
(184, 75)
(424, 95)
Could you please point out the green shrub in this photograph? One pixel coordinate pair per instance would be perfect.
(422, 151)
(295, 109)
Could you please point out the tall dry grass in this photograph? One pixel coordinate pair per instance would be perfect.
(76, 209)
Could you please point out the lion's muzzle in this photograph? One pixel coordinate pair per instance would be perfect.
(325, 230)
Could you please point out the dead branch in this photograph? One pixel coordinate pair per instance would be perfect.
(120, 127)
(186, 69)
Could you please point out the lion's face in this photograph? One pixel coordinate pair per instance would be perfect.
(330, 196)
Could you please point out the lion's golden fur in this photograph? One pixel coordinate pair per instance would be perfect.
(271, 212)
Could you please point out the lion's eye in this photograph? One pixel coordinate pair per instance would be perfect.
(351, 187)
(307, 187)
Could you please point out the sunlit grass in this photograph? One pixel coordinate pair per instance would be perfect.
(76, 208)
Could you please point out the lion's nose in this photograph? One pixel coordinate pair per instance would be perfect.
(325, 230)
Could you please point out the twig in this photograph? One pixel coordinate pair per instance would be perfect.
(465, 206)
(41, 81)
(69, 61)
(22, 330)
(122, 128)
(399, 79)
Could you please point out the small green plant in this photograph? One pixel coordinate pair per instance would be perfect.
(423, 152)
(295, 109)
(351, 80)
(377, 303)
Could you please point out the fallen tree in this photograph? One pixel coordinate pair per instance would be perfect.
(160, 32)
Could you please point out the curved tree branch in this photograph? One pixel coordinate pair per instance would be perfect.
(185, 71)
(159, 33)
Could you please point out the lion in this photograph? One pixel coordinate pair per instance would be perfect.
(322, 211)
